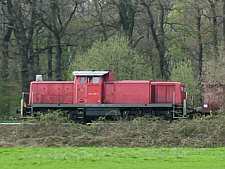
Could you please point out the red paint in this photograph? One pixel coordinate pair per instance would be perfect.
(88, 90)
(103, 89)
(81, 91)
(47, 92)
(167, 92)
(127, 92)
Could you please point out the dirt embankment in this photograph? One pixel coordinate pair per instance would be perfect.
(205, 132)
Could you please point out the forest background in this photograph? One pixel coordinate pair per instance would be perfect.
(178, 40)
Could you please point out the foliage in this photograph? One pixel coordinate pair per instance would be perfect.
(214, 71)
(114, 54)
(9, 101)
(179, 33)
(53, 117)
(186, 31)
(182, 72)
(199, 132)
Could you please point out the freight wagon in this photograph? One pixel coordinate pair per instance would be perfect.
(93, 94)
(213, 98)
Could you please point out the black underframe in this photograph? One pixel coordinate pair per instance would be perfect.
(101, 105)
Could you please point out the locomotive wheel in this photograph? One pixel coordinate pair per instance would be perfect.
(125, 115)
(196, 116)
(77, 116)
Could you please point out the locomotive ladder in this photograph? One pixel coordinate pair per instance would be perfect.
(182, 113)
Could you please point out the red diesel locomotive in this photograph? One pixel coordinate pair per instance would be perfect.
(95, 93)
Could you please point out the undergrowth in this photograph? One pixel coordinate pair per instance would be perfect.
(206, 131)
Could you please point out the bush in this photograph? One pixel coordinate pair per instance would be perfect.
(182, 72)
(114, 54)
(53, 117)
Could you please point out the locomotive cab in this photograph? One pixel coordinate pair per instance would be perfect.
(89, 86)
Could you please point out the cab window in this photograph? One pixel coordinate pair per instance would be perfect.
(83, 80)
(90, 80)
(96, 80)
(183, 89)
(93, 80)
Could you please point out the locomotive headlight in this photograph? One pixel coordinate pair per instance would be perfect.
(205, 105)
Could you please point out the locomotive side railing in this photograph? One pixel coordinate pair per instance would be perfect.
(177, 115)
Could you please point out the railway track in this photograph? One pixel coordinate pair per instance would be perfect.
(88, 124)
(10, 123)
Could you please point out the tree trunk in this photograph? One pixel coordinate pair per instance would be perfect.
(100, 19)
(33, 56)
(25, 81)
(23, 31)
(163, 64)
(127, 15)
(214, 29)
(223, 27)
(200, 47)
(151, 62)
(5, 55)
(58, 58)
(49, 46)
(36, 55)
(159, 40)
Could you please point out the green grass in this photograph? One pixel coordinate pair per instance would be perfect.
(112, 158)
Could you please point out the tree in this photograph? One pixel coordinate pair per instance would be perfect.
(114, 54)
(213, 18)
(127, 11)
(198, 17)
(56, 19)
(183, 72)
(187, 34)
(99, 8)
(50, 53)
(5, 53)
(223, 29)
(157, 32)
(21, 16)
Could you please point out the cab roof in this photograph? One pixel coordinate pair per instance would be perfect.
(90, 73)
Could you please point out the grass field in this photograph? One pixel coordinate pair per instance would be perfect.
(112, 158)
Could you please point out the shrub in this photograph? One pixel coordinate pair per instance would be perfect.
(114, 54)
(53, 117)
(183, 72)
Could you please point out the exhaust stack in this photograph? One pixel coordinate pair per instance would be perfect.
(39, 78)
